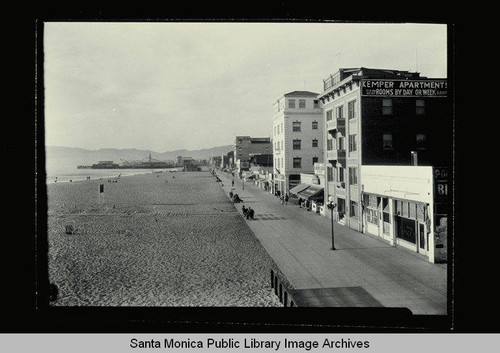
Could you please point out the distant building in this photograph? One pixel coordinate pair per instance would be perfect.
(225, 161)
(264, 160)
(230, 156)
(244, 146)
(388, 147)
(297, 138)
(216, 161)
(183, 161)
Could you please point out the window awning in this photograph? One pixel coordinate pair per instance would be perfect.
(299, 188)
(313, 192)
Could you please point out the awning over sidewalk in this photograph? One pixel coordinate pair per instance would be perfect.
(295, 190)
(313, 192)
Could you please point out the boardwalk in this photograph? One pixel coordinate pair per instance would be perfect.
(362, 272)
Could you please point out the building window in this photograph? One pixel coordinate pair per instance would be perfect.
(281, 144)
(387, 106)
(282, 130)
(353, 176)
(329, 144)
(341, 143)
(315, 143)
(340, 112)
(302, 103)
(315, 125)
(420, 107)
(329, 115)
(352, 143)
(372, 216)
(291, 103)
(315, 160)
(350, 110)
(316, 103)
(387, 141)
(296, 126)
(420, 141)
(329, 173)
(277, 130)
(353, 211)
(297, 162)
(296, 144)
(341, 174)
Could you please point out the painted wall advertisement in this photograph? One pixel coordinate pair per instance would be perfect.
(404, 88)
(441, 213)
(319, 168)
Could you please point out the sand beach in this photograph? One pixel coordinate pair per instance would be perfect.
(156, 239)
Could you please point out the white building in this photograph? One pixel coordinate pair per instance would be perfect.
(402, 205)
(297, 138)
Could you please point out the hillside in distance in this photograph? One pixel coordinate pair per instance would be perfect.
(71, 157)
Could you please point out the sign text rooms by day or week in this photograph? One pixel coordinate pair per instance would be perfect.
(405, 88)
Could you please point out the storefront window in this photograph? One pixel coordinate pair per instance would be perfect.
(406, 230)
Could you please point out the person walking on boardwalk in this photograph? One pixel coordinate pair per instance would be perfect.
(251, 212)
(286, 199)
(282, 200)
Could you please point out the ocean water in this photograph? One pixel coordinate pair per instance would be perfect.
(73, 174)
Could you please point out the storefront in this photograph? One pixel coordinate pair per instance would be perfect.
(312, 197)
(397, 205)
(295, 190)
(401, 222)
(341, 210)
(412, 225)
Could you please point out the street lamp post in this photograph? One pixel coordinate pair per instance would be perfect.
(332, 206)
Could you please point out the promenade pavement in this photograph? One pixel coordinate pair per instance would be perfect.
(363, 271)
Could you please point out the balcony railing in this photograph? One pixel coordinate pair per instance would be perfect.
(334, 155)
(335, 124)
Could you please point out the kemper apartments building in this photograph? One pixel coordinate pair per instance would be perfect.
(388, 151)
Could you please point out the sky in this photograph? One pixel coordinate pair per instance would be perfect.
(164, 86)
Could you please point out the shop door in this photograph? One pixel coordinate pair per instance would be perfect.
(341, 210)
(423, 239)
(386, 217)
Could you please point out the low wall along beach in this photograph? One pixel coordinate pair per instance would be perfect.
(157, 239)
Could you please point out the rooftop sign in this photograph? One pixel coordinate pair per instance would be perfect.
(404, 88)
